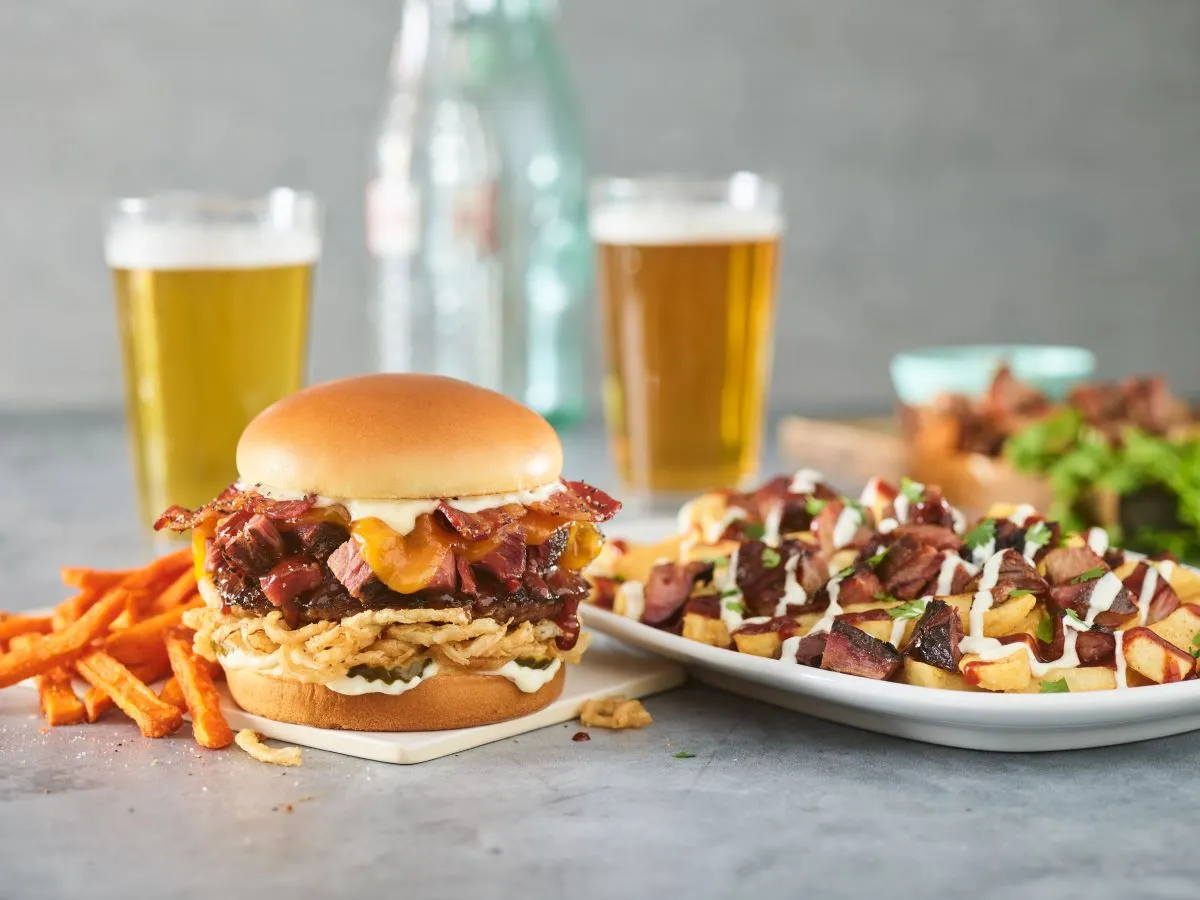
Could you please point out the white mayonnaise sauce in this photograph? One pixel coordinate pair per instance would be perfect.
(805, 481)
(732, 618)
(401, 515)
(787, 650)
(1021, 514)
(960, 521)
(991, 572)
(847, 525)
(834, 610)
(527, 679)
(887, 526)
(1149, 586)
(355, 685)
(1166, 568)
(793, 593)
(1097, 540)
(1119, 657)
(870, 493)
(984, 552)
(634, 595)
(1104, 592)
(771, 523)
(951, 562)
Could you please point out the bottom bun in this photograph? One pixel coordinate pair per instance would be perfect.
(439, 703)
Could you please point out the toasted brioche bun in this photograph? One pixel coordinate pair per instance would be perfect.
(437, 704)
(398, 437)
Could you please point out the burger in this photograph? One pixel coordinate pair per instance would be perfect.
(399, 553)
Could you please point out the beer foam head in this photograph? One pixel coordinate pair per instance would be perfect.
(138, 245)
(682, 223)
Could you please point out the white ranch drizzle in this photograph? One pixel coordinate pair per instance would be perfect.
(1097, 540)
(1021, 514)
(805, 481)
(950, 564)
(1119, 657)
(984, 552)
(1104, 593)
(771, 523)
(834, 609)
(887, 526)
(634, 594)
(712, 534)
(1149, 586)
(960, 521)
(848, 522)
(870, 493)
(1166, 568)
(788, 649)
(732, 618)
(793, 593)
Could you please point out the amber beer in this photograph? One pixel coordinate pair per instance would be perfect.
(686, 293)
(213, 318)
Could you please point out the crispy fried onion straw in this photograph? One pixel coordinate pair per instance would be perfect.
(390, 638)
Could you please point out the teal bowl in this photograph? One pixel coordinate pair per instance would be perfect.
(921, 375)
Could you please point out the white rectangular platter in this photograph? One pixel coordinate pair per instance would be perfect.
(607, 669)
(977, 721)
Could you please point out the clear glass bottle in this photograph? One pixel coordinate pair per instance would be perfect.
(431, 209)
(544, 244)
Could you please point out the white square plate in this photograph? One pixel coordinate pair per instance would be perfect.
(607, 669)
(977, 721)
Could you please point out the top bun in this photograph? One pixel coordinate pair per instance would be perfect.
(398, 437)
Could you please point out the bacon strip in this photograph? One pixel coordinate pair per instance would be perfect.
(232, 500)
(580, 502)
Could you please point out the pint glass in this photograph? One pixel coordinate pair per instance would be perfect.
(213, 303)
(687, 272)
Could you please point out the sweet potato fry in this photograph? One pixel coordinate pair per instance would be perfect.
(97, 702)
(96, 580)
(63, 646)
(153, 717)
(56, 696)
(177, 592)
(18, 625)
(143, 642)
(172, 693)
(72, 608)
(203, 702)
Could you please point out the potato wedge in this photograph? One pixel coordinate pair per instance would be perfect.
(1181, 627)
(924, 675)
(1155, 657)
(705, 630)
(765, 644)
(874, 621)
(1009, 673)
(1008, 616)
(1080, 680)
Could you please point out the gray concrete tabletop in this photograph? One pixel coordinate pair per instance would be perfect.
(772, 803)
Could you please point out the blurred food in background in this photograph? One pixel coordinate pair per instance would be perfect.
(213, 301)
(1124, 456)
(687, 275)
(476, 217)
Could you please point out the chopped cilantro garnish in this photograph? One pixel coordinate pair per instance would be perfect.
(1039, 533)
(1045, 630)
(1090, 575)
(683, 754)
(753, 531)
(734, 606)
(913, 609)
(913, 490)
(619, 579)
(730, 592)
(1019, 592)
(1056, 687)
(814, 506)
(984, 532)
(771, 557)
(855, 505)
(1074, 617)
(885, 597)
(845, 573)
(1196, 646)
(873, 561)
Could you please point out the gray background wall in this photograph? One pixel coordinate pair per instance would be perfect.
(955, 170)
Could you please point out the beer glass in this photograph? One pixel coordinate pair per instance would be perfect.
(213, 303)
(687, 272)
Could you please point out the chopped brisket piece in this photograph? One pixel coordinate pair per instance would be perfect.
(1015, 573)
(667, 590)
(936, 636)
(1163, 601)
(762, 585)
(1065, 563)
(936, 536)
(908, 568)
(348, 565)
(810, 649)
(507, 560)
(1096, 647)
(854, 652)
(319, 539)
(289, 578)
